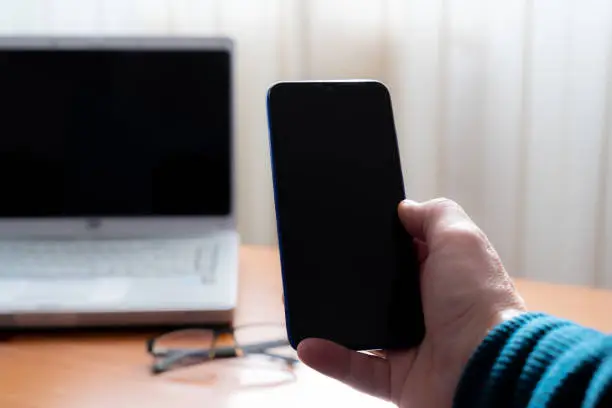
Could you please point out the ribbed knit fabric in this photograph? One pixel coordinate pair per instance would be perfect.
(536, 360)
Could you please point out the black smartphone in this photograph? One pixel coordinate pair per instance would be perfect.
(349, 269)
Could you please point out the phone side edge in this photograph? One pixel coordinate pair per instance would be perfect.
(395, 133)
(275, 197)
(421, 327)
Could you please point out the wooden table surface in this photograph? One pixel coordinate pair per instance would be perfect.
(91, 370)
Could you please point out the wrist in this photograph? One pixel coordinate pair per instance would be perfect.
(503, 316)
(480, 331)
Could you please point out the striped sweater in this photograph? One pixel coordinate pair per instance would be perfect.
(536, 360)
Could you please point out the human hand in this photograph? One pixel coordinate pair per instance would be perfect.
(465, 293)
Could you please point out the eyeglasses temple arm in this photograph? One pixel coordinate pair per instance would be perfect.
(287, 359)
(172, 357)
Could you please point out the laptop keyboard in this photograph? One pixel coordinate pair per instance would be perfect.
(108, 258)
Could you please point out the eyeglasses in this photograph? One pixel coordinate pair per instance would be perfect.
(187, 347)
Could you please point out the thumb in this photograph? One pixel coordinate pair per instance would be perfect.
(428, 219)
(366, 373)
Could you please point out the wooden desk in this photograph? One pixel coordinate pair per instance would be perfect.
(111, 370)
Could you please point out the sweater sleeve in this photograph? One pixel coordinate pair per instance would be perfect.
(536, 360)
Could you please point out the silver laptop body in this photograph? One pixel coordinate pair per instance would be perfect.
(116, 177)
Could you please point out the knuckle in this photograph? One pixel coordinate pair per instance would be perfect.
(464, 234)
(444, 203)
(460, 232)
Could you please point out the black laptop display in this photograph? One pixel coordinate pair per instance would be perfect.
(121, 132)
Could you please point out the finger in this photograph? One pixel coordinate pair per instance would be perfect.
(363, 372)
(425, 220)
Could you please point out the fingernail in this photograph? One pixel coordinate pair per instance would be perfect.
(409, 202)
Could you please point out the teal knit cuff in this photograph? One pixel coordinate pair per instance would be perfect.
(470, 391)
(536, 360)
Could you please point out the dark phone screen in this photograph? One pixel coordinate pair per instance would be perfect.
(349, 268)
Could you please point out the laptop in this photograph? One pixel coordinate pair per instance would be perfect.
(116, 204)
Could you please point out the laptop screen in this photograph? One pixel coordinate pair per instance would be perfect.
(114, 132)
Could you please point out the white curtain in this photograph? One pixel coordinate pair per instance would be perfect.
(505, 105)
